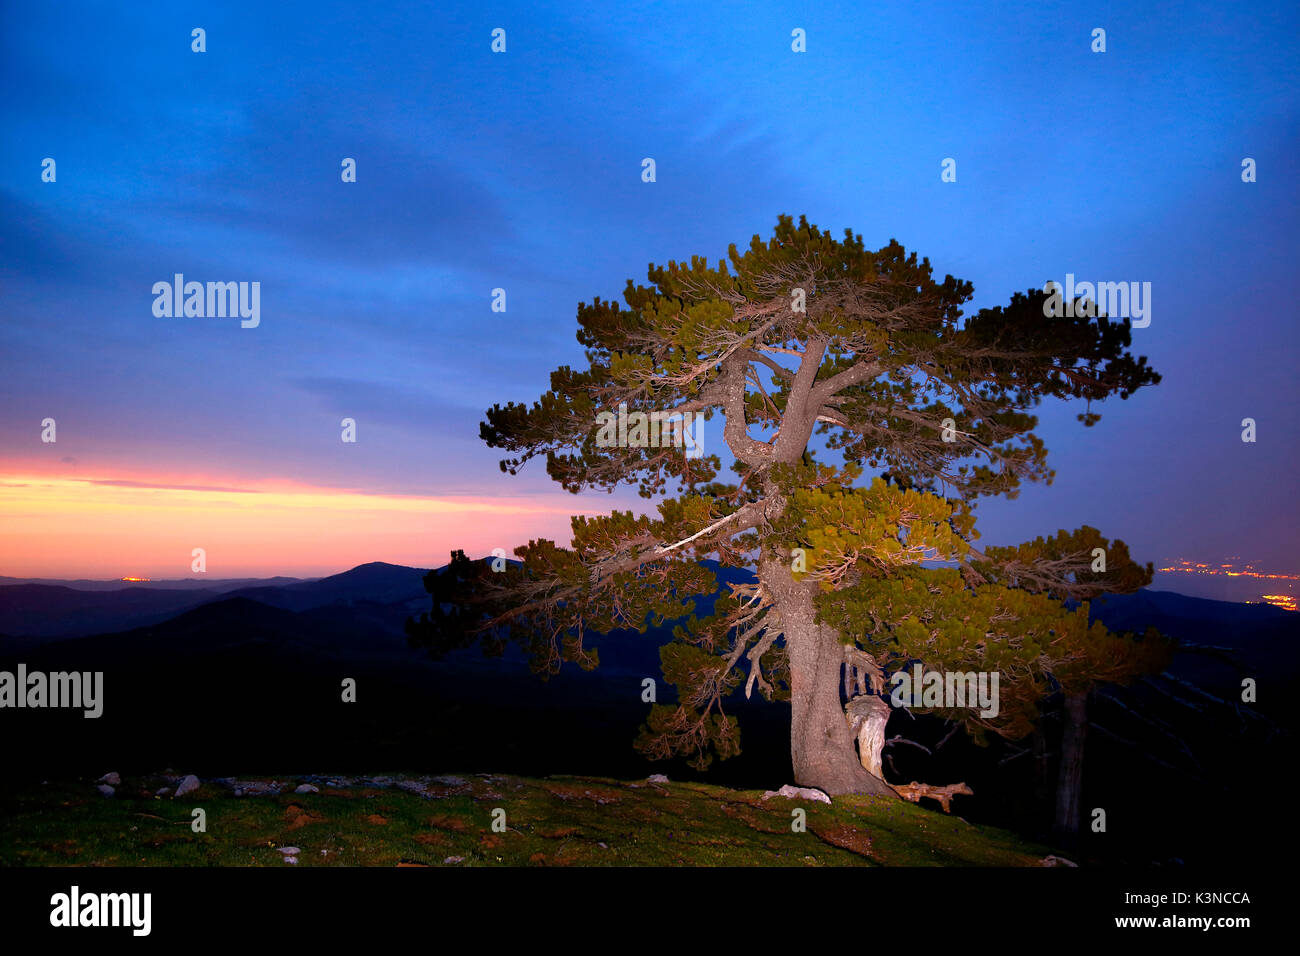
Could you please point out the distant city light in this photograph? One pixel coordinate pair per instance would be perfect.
(1247, 571)
(1285, 601)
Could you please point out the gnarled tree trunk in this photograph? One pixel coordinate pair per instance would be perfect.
(821, 741)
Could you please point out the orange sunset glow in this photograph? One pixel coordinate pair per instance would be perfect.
(134, 530)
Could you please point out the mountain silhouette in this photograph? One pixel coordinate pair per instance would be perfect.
(57, 610)
(375, 582)
(47, 611)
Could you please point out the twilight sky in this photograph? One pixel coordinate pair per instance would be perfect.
(522, 170)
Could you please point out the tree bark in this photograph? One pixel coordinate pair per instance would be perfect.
(1070, 779)
(821, 741)
(870, 714)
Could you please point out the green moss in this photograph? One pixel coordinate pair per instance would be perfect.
(557, 821)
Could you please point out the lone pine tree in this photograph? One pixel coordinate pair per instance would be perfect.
(801, 345)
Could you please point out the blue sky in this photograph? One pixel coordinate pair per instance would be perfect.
(522, 171)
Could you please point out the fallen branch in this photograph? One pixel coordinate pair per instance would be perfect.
(915, 791)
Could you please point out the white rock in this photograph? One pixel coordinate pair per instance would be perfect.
(163, 792)
(454, 859)
(112, 779)
(187, 785)
(289, 850)
(656, 778)
(105, 789)
(306, 788)
(797, 793)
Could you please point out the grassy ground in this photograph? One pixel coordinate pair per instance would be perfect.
(557, 821)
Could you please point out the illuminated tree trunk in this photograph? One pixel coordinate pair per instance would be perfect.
(821, 742)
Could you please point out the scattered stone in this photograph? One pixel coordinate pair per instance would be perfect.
(112, 779)
(450, 781)
(797, 793)
(163, 792)
(1056, 861)
(656, 778)
(289, 850)
(105, 789)
(188, 784)
(291, 859)
(306, 788)
(454, 859)
(569, 791)
(603, 846)
(254, 788)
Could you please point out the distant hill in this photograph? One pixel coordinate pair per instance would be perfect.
(375, 582)
(49, 611)
(1133, 610)
(372, 602)
(219, 585)
(1263, 639)
(45, 611)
